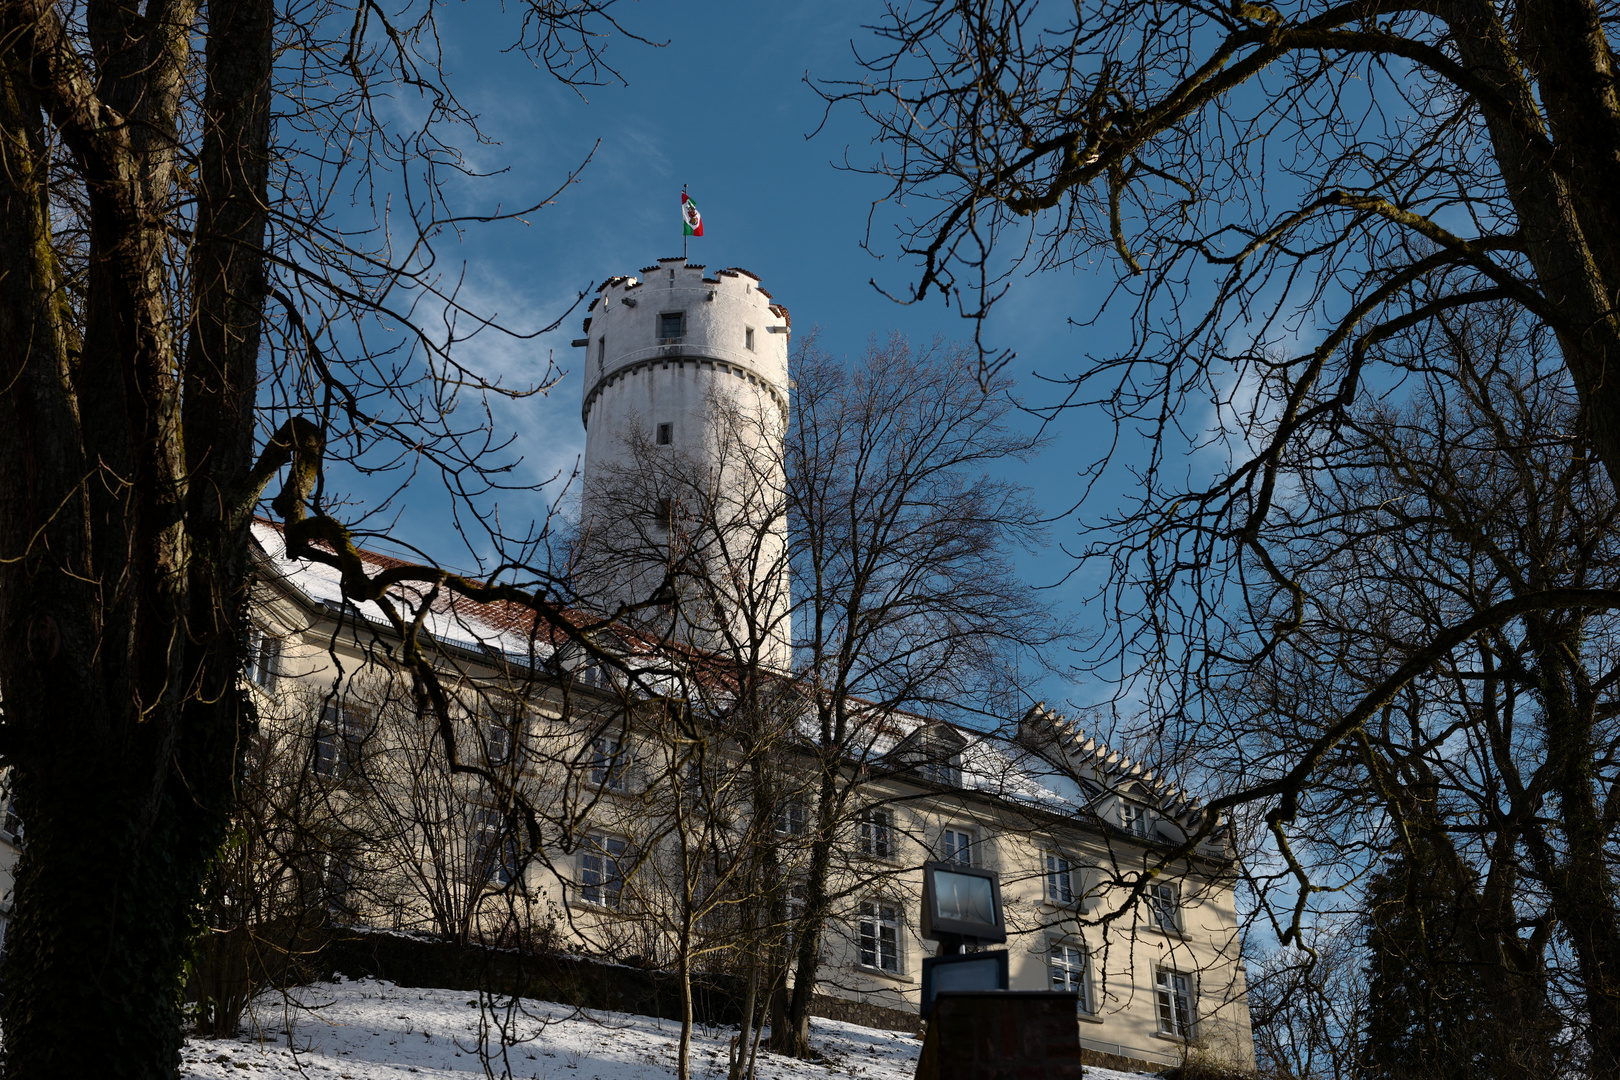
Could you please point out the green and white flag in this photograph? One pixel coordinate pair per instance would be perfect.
(691, 220)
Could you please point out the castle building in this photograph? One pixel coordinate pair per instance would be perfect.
(685, 395)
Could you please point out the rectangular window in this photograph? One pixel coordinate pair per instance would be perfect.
(880, 936)
(1059, 880)
(1134, 819)
(601, 352)
(1162, 899)
(11, 826)
(495, 848)
(666, 434)
(671, 324)
(607, 766)
(263, 659)
(793, 910)
(877, 834)
(748, 338)
(337, 883)
(1174, 993)
(339, 742)
(601, 870)
(498, 734)
(958, 846)
(1067, 965)
(791, 818)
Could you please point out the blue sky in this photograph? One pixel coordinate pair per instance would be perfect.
(724, 109)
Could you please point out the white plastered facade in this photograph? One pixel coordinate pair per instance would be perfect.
(683, 367)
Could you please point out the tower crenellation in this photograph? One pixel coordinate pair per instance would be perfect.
(670, 355)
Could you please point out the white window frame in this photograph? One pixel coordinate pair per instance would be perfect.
(680, 325)
(1068, 967)
(748, 338)
(794, 901)
(959, 844)
(607, 763)
(1059, 878)
(263, 659)
(340, 740)
(1135, 820)
(878, 936)
(1166, 906)
(337, 883)
(496, 733)
(1173, 1000)
(877, 834)
(792, 817)
(601, 870)
(497, 856)
(11, 822)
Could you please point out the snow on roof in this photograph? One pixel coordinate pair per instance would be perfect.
(1051, 765)
(501, 628)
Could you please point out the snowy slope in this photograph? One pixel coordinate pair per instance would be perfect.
(371, 1030)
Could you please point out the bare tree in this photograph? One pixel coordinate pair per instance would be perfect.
(1428, 540)
(896, 579)
(904, 592)
(1363, 166)
(275, 883)
(1360, 191)
(185, 286)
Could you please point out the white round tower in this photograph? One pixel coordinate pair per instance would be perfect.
(685, 402)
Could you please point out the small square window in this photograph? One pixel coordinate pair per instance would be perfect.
(748, 338)
(666, 434)
(672, 324)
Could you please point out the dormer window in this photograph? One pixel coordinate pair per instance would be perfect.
(672, 324)
(1134, 819)
(936, 753)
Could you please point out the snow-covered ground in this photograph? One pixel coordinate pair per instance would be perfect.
(371, 1030)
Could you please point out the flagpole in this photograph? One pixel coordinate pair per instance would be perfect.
(685, 239)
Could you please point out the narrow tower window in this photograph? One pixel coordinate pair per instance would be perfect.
(748, 338)
(601, 349)
(666, 434)
(671, 324)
